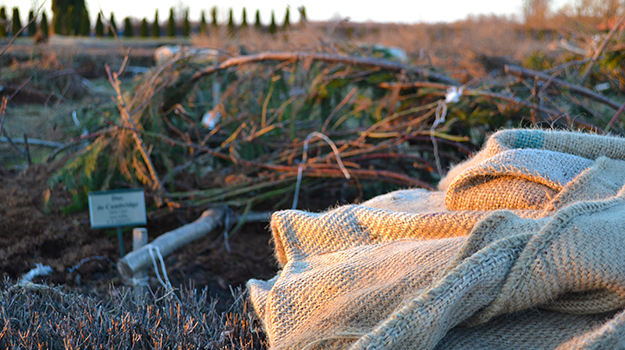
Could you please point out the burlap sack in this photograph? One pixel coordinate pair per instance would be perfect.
(522, 247)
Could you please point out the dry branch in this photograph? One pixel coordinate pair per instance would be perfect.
(308, 57)
(36, 142)
(601, 48)
(170, 241)
(303, 56)
(552, 113)
(528, 73)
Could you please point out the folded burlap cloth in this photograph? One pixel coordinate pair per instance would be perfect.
(522, 247)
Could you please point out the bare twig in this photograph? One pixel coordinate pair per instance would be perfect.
(296, 56)
(338, 108)
(616, 115)
(30, 160)
(3, 109)
(534, 108)
(528, 73)
(36, 142)
(10, 140)
(305, 157)
(566, 65)
(601, 48)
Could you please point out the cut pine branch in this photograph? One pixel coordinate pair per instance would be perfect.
(309, 57)
(127, 118)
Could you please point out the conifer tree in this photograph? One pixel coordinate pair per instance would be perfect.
(3, 22)
(17, 23)
(69, 26)
(99, 26)
(203, 24)
(171, 23)
(65, 19)
(302, 15)
(257, 24)
(43, 25)
(186, 25)
(287, 20)
(85, 24)
(59, 16)
(156, 26)
(112, 26)
(214, 17)
(128, 28)
(143, 30)
(32, 24)
(273, 27)
(244, 19)
(230, 23)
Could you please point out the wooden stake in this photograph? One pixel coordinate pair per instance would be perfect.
(139, 239)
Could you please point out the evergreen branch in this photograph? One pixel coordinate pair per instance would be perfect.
(121, 104)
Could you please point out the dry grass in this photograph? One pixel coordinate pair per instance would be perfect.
(43, 317)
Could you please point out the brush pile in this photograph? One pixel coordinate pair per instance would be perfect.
(205, 131)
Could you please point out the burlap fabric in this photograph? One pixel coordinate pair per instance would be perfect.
(522, 247)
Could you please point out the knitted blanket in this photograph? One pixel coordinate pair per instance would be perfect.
(522, 247)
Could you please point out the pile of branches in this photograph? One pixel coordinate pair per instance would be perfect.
(250, 130)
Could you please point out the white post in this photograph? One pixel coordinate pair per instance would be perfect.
(139, 239)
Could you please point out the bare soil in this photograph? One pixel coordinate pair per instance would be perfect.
(84, 259)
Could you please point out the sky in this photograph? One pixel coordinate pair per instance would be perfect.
(397, 11)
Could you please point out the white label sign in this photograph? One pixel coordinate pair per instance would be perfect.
(117, 208)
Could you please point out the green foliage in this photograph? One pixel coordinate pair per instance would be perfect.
(143, 29)
(257, 24)
(214, 17)
(69, 26)
(3, 22)
(302, 14)
(244, 19)
(59, 11)
(230, 22)
(273, 27)
(99, 26)
(287, 20)
(538, 60)
(128, 30)
(85, 24)
(203, 25)
(186, 25)
(43, 25)
(156, 26)
(112, 26)
(16, 22)
(32, 23)
(171, 23)
(67, 16)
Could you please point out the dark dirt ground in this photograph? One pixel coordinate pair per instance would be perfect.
(28, 235)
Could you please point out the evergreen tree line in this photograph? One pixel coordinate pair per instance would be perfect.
(71, 17)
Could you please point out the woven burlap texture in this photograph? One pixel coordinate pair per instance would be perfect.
(522, 247)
